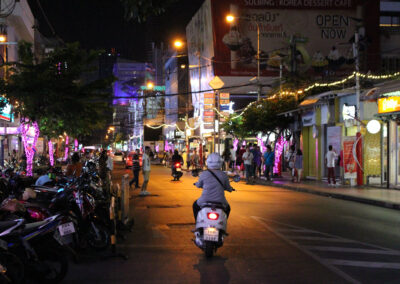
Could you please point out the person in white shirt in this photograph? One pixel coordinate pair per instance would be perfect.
(145, 170)
(248, 164)
(233, 159)
(330, 163)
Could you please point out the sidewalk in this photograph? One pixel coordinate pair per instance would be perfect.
(388, 198)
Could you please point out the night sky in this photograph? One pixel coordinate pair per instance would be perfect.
(100, 24)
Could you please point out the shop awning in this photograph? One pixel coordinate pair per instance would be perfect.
(384, 89)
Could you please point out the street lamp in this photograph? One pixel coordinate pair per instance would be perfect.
(3, 38)
(178, 43)
(150, 85)
(230, 19)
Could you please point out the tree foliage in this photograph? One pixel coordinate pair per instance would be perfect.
(262, 117)
(141, 10)
(55, 93)
(234, 127)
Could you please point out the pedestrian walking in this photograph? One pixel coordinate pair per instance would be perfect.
(248, 164)
(195, 159)
(290, 160)
(330, 164)
(135, 170)
(145, 170)
(239, 159)
(233, 159)
(298, 165)
(226, 155)
(269, 158)
(257, 161)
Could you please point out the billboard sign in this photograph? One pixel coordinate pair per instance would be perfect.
(6, 112)
(323, 32)
(389, 104)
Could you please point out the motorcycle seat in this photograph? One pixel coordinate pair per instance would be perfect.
(4, 225)
(214, 205)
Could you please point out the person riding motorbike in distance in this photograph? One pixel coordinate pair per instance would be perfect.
(176, 158)
(214, 183)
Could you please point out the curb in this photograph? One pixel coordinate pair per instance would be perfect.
(378, 203)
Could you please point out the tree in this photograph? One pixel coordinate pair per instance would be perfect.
(53, 93)
(234, 126)
(263, 116)
(140, 10)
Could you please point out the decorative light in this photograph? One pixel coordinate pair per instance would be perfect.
(235, 143)
(29, 150)
(76, 145)
(66, 148)
(373, 126)
(51, 153)
(150, 85)
(3, 38)
(280, 144)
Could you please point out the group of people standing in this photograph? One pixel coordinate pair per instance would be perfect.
(146, 168)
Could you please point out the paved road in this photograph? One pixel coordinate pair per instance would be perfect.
(276, 236)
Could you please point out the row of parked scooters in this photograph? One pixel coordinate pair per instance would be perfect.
(42, 225)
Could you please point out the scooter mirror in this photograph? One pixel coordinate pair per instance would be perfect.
(236, 178)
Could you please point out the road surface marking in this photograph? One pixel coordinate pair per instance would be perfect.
(309, 253)
(306, 238)
(369, 264)
(352, 250)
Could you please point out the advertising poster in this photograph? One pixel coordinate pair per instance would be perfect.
(349, 163)
(334, 134)
(322, 30)
(208, 112)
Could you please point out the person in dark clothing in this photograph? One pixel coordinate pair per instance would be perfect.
(176, 158)
(135, 169)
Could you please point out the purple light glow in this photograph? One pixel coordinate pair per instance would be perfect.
(51, 153)
(279, 146)
(66, 147)
(261, 144)
(235, 143)
(76, 145)
(29, 149)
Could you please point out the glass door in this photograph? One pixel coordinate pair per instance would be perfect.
(384, 144)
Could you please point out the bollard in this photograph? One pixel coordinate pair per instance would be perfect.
(124, 203)
(114, 229)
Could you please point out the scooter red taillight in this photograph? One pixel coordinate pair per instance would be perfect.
(36, 214)
(212, 216)
(177, 165)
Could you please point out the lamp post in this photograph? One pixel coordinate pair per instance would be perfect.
(230, 19)
(178, 44)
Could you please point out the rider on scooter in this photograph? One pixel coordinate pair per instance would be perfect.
(213, 186)
(176, 158)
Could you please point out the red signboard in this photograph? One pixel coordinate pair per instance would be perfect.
(209, 113)
(349, 163)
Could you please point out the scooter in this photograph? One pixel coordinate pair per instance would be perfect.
(211, 224)
(177, 171)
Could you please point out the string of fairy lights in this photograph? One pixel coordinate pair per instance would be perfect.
(298, 92)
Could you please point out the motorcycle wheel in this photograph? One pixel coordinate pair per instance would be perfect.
(52, 266)
(99, 241)
(209, 249)
(14, 268)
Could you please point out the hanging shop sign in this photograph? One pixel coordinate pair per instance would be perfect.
(5, 113)
(308, 119)
(208, 113)
(349, 112)
(389, 104)
(349, 163)
(224, 105)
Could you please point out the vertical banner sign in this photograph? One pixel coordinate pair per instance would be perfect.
(208, 112)
(349, 163)
(224, 105)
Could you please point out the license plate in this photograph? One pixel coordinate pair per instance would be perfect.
(178, 169)
(211, 234)
(66, 229)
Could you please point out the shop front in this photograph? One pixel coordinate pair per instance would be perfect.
(389, 113)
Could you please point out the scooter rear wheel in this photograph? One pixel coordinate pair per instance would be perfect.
(209, 249)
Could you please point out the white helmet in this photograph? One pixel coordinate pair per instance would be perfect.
(214, 161)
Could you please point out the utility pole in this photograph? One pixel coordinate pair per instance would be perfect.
(258, 62)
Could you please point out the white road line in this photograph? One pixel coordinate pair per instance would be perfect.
(296, 231)
(309, 253)
(352, 250)
(369, 264)
(324, 234)
(306, 238)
